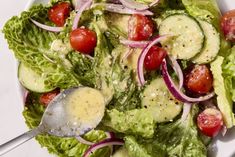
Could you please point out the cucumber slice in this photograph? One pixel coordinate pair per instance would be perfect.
(157, 98)
(188, 35)
(31, 80)
(212, 44)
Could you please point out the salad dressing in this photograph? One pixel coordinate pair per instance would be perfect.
(85, 105)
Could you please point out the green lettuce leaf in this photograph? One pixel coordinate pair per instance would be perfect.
(32, 46)
(83, 67)
(229, 72)
(63, 147)
(136, 122)
(179, 138)
(111, 77)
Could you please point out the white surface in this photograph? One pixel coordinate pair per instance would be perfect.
(11, 119)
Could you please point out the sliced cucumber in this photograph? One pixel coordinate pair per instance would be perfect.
(188, 35)
(160, 102)
(212, 44)
(31, 80)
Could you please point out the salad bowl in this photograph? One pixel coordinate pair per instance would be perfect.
(222, 145)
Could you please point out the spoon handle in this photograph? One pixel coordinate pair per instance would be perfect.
(8, 146)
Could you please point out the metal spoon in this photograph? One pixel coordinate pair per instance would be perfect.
(73, 112)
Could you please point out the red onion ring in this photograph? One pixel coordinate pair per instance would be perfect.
(140, 64)
(224, 130)
(178, 70)
(175, 64)
(86, 5)
(46, 27)
(109, 135)
(134, 44)
(186, 111)
(117, 8)
(127, 53)
(176, 92)
(78, 4)
(83, 141)
(136, 5)
(104, 143)
(25, 95)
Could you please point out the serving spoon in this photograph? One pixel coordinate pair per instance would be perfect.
(73, 112)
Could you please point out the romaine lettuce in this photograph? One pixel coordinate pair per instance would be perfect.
(179, 138)
(32, 46)
(136, 122)
(229, 72)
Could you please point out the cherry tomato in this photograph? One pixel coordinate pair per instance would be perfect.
(154, 58)
(210, 122)
(198, 79)
(59, 13)
(140, 27)
(83, 40)
(228, 25)
(46, 98)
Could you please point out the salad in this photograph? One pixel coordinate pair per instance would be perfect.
(165, 67)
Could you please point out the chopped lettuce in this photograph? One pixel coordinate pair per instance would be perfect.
(179, 138)
(136, 122)
(67, 68)
(229, 72)
(63, 147)
(224, 101)
(32, 46)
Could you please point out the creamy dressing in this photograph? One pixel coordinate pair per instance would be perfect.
(86, 106)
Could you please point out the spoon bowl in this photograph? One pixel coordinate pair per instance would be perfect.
(73, 112)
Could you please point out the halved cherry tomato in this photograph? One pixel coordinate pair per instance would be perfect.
(198, 79)
(46, 98)
(228, 25)
(59, 13)
(210, 122)
(154, 58)
(83, 40)
(140, 27)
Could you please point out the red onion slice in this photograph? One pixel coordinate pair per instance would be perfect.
(83, 141)
(46, 27)
(186, 111)
(127, 53)
(78, 4)
(25, 95)
(176, 92)
(104, 143)
(140, 64)
(132, 4)
(178, 70)
(110, 135)
(86, 5)
(134, 44)
(224, 130)
(117, 8)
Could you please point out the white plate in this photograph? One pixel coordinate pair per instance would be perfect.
(11, 120)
